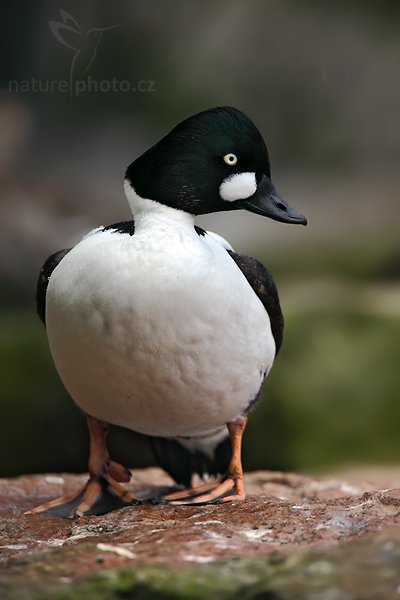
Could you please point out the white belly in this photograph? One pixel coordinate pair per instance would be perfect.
(163, 336)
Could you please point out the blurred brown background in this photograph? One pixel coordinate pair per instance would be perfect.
(322, 82)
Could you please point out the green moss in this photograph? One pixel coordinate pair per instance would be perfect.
(236, 578)
(364, 569)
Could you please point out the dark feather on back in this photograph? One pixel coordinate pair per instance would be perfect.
(43, 281)
(263, 285)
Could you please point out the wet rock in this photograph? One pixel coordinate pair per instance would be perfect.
(294, 537)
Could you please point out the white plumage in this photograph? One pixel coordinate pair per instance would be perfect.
(159, 332)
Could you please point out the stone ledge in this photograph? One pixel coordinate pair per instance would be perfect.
(289, 526)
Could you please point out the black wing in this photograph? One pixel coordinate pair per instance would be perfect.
(43, 281)
(263, 285)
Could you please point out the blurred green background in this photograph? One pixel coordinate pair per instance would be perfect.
(322, 82)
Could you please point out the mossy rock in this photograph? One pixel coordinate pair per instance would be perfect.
(362, 570)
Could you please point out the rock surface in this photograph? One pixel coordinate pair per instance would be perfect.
(294, 537)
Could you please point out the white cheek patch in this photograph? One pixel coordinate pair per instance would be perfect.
(238, 187)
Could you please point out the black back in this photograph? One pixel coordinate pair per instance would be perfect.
(122, 227)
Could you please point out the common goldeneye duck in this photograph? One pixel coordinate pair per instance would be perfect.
(159, 326)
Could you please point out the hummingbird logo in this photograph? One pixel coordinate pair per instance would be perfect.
(84, 44)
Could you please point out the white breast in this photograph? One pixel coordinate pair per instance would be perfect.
(158, 332)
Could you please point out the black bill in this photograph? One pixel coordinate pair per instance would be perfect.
(267, 202)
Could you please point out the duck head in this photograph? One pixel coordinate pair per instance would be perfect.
(213, 161)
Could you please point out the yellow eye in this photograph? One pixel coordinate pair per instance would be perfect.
(230, 159)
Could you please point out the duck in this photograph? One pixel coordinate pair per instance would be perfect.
(159, 326)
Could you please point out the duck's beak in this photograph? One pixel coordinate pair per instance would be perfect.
(267, 202)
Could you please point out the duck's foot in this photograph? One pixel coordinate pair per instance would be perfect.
(96, 497)
(228, 489)
(102, 493)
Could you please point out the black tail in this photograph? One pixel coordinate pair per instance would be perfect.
(181, 464)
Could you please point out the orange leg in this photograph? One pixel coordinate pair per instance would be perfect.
(230, 487)
(102, 493)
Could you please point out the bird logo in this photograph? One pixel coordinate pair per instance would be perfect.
(84, 44)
